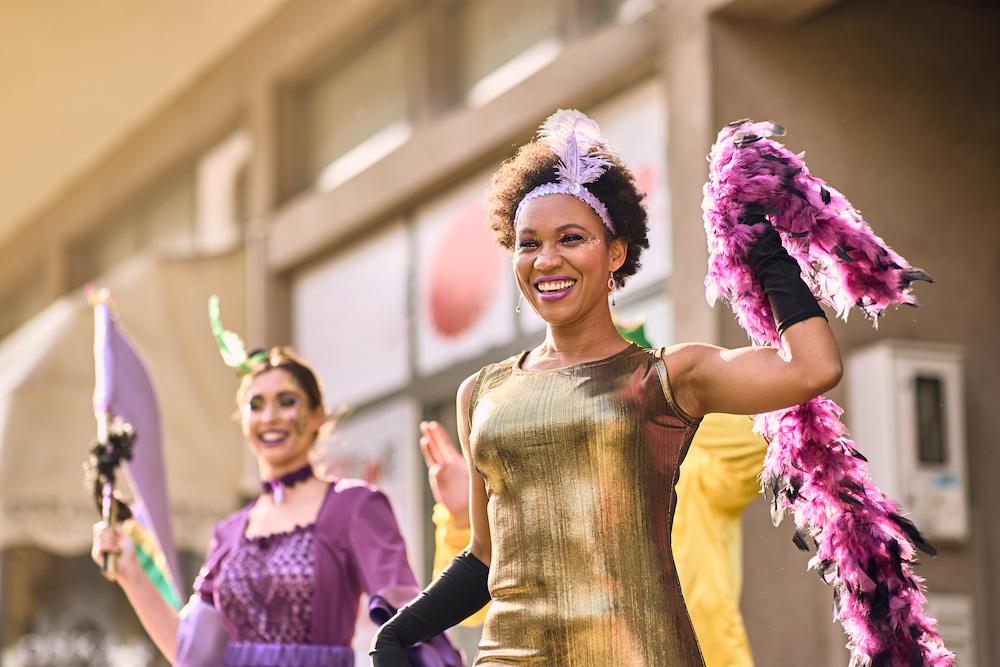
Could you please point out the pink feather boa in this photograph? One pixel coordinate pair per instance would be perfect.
(864, 547)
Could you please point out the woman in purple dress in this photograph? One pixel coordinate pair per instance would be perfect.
(283, 577)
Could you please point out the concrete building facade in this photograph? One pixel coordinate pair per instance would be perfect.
(347, 152)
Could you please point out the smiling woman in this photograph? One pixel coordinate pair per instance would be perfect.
(283, 577)
(564, 259)
(535, 168)
(573, 447)
(281, 411)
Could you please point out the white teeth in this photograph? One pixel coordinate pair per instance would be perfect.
(555, 285)
(273, 436)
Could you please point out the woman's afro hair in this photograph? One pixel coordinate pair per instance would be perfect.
(534, 164)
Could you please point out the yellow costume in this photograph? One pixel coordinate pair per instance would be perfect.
(717, 481)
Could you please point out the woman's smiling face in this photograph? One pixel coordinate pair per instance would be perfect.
(278, 422)
(562, 258)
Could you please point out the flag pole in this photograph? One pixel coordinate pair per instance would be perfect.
(109, 514)
(109, 565)
(124, 400)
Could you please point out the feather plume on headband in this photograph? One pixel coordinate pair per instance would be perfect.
(231, 347)
(583, 154)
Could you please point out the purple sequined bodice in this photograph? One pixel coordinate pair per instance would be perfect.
(266, 588)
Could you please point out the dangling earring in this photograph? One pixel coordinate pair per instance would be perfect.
(611, 288)
(520, 298)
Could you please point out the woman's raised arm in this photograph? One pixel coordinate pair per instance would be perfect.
(750, 380)
(157, 617)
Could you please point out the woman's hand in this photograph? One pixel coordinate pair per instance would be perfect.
(157, 617)
(111, 540)
(447, 472)
(459, 591)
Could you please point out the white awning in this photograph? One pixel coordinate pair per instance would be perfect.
(46, 420)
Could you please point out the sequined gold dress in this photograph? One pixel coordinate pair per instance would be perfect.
(580, 465)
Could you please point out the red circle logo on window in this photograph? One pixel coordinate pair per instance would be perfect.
(463, 275)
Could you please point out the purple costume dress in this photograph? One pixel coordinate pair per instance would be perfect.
(291, 599)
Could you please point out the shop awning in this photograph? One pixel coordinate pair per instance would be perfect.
(46, 421)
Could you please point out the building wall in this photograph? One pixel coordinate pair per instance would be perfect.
(891, 99)
(289, 222)
(895, 103)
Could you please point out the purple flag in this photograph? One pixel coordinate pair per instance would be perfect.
(123, 390)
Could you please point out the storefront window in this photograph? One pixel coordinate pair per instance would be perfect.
(198, 208)
(499, 44)
(103, 248)
(166, 215)
(621, 10)
(464, 292)
(353, 113)
(349, 317)
(162, 220)
(21, 303)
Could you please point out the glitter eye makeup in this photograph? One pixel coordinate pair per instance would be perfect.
(575, 240)
(571, 239)
(284, 400)
(288, 400)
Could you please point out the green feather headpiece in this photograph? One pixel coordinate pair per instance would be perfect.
(231, 347)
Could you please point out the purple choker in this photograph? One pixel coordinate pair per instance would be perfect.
(277, 486)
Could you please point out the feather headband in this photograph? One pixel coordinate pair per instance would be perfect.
(577, 141)
(231, 347)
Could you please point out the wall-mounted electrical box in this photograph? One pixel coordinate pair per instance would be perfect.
(955, 615)
(906, 412)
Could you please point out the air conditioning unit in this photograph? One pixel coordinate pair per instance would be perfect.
(906, 412)
(956, 624)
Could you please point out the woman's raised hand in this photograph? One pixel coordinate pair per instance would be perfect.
(446, 471)
(112, 540)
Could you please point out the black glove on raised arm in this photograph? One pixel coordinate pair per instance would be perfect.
(778, 273)
(459, 592)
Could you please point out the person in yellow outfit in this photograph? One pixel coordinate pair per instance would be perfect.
(718, 479)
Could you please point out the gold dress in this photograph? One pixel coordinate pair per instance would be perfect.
(580, 465)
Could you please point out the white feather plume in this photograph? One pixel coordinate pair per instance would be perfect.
(575, 138)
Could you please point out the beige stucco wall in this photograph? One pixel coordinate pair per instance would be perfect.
(893, 100)
(895, 103)
(78, 77)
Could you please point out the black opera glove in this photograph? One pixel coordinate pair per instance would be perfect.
(779, 275)
(459, 592)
